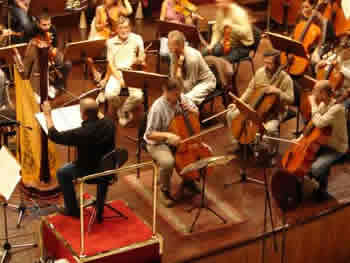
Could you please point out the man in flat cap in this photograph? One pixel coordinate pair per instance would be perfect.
(272, 80)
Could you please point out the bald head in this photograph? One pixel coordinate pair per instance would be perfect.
(88, 109)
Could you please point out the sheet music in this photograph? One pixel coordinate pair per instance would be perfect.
(346, 8)
(10, 173)
(64, 119)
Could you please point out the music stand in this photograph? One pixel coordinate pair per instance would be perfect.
(79, 51)
(190, 31)
(289, 46)
(134, 77)
(11, 172)
(265, 159)
(7, 56)
(201, 166)
(252, 116)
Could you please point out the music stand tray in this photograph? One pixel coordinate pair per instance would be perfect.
(77, 51)
(287, 44)
(190, 31)
(132, 76)
(6, 54)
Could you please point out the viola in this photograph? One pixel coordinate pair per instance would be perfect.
(298, 159)
(185, 125)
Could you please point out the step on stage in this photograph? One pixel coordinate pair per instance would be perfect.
(115, 240)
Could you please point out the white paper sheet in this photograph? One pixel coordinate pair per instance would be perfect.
(10, 173)
(64, 119)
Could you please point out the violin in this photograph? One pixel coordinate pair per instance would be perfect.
(227, 40)
(308, 33)
(185, 125)
(186, 8)
(298, 159)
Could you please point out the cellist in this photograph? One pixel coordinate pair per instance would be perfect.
(274, 81)
(159, 140)
(327, 112)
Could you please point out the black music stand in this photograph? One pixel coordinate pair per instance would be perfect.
(12, 182)
(134, 77)
(252, 116)
(265, 159)
(202, 169)
(7, 55)
(190, 31)
(79, 51)
(289, 46)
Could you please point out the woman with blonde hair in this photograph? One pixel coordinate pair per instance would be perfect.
(102, 26)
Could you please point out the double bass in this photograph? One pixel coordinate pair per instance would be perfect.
(185, 125)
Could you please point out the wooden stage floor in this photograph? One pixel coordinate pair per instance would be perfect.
(309, 237)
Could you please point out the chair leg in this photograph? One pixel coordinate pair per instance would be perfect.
(138, 157)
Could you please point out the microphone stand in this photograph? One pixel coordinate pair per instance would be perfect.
(21, 207)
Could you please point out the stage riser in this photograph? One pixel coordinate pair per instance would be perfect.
(326, 239)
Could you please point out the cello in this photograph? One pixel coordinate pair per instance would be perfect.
(185, 125)
(308, 34)
(299, 158)
(331, 71)
(285, 12)
(245, 130)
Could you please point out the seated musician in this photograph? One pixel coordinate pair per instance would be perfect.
(93, 140)
(106, 14)
(327, 33)
(233, 29)
(188, 64)
(21, 21)
(169, 13)
(273, 80)
(159, 140)
(326, 112)
(44, 35)
(123, 52)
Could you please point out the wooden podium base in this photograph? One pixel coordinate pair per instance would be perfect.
(115, 240)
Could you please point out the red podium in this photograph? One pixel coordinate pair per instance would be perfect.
(115, 240)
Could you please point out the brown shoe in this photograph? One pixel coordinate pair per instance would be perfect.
(166, 199)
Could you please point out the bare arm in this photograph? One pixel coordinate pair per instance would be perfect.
(126, 9)
(163, 10)
(99, 24)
